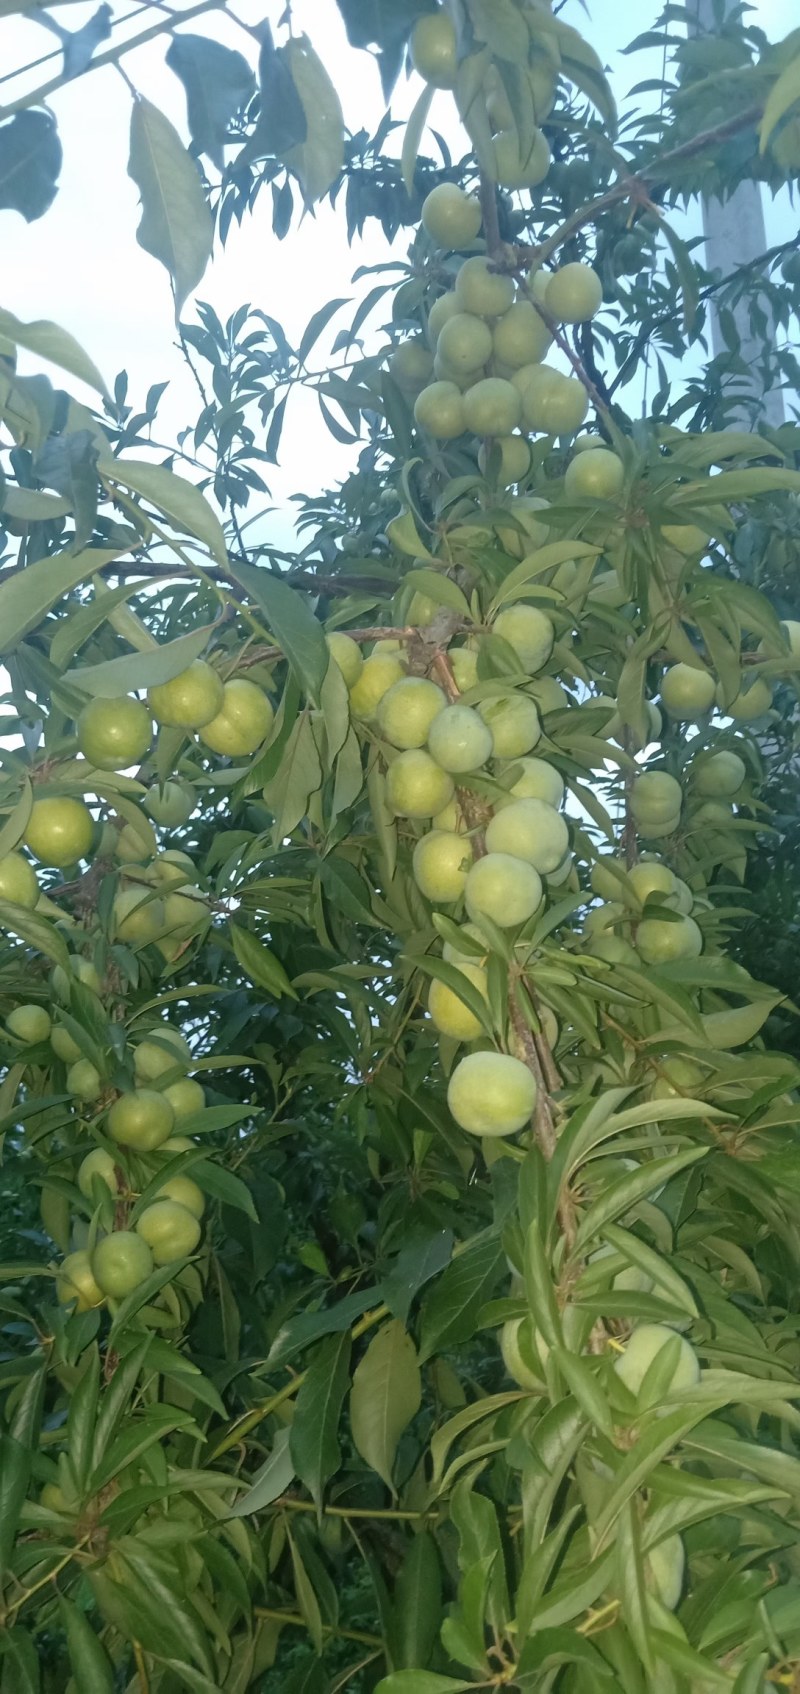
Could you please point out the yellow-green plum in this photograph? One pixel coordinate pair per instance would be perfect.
(411, 365)
(83, 1080)
(64, 1045)
(535, 779)
(465, 343)
(243, 721)
(503, 888)
(644, 1346)
(408, 709)
(492, 407)
(29, 1024)
(141, 1119)
(720, 775)
(113, 734)
(98, 1165)
(76, 1283)
(185, 1096)
(165, 1049)
(518, 168)
(648, 877)
(665, 1569)
(518, 1369)
(481, 290)
(171, 805)
(416, 787)
(441, 861)
(189, 700)
(170, 1230)
(573, 293)
(530, 632)
(521, 337)
(459, 739)
(138, 915)
(445, 307)
(659, 941)
(529, 830)
(514, 722)
(656, 796)
(456, 953)
(440, 410)
(596, 475)
(379, 673)
(18, 881)
(688, 692)
(491, 1094)
(464, 663)
(510, 454)
(449, 216)
(451, 1015)
(433, 49)
(120, 1263)
(183, 1191)
(346, 653)
(752, 702)
(60, 830)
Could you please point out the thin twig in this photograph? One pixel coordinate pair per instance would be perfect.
(38, 96)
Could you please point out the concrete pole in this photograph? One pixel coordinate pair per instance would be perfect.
(735, 234)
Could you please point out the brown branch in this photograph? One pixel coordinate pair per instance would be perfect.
(491, 222)
(577, 365)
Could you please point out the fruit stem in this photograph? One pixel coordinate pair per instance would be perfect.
(327, 1628)
(576, 362)
(491, 222)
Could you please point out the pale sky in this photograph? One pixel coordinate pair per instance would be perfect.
(81, 264)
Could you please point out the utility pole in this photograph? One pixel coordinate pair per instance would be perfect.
(735, 235)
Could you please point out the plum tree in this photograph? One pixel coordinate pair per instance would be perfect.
(437, 907)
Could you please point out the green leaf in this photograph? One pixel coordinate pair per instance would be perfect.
(260, 964)
(782, 96)
(421, 1682)
(313, 1441)
(91, 1666)
(172, 496)
(132, 671)
(421, 1258)
(316, 161)
(15, 1470)
(450, 1312)
(307, 1602)
(385, 1396)
(631, 1189)
(535, 564)
(412, 138)
(297, 631)
(176, 226)
(298, 777)
(732, 486)
(439, 588)
(218, 81)
(54, 344)
(27, 598)
(272, 1480)
(82, 1418)
(23, 1663)
(417, 1604)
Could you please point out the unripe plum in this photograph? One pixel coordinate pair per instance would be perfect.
(515, 168)
(537, 780)
(656, 797)
(408, 709)
(243, 721)
(121, 1262)
(185, 1097)
(598, 475)
(574, 293)
(491, 1094)
(503, 888)
(97, 1164)
(459, 739)
(514, 458)
(30, 1024)
(76, 1282)
(60, 830)
(529, 830)
(644, 1346)
(380, 671)
(465, 343)
(441, 862)
(450, 1014)
(659, 941)
(481, 290)
(18, 881)
(346, 653)
(184, 1192)
(142, 1119)
(514, 722)
(687, 692)
(450, 217)
(170, 1230)
(529, 631)
(433, 50)
(719, 776)
(521, 337)
(190, 700)
(416, 787)
(113, 734)
(440, 410)
(752, 702)
(492, 407)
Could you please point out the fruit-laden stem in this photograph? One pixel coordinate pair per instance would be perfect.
(376, 632)
(491, 222)
(630, 844)
(536, 1054)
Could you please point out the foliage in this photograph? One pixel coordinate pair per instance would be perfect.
(441, 1394)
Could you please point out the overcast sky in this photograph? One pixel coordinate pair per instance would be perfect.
(81, 264)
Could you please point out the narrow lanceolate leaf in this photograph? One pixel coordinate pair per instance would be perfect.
(386, 1395)
(176, 224)
(271, 1481)
(450, 1311)
(49, 341)
(782, 96)
(413, 137)
(293, 624)
(178, 500)
(116, 677)
(318, 159)
(261, 965)
(217, 81)
(15, 1466)
(91, 1666)
(313, 1440)
(421, 1682)
(27, 598)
